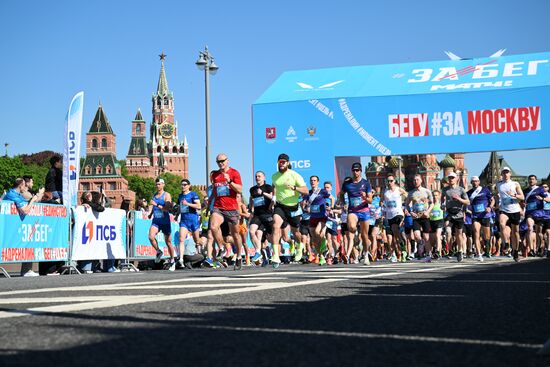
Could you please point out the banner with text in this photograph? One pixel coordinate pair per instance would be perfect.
(41, 235)
(99, 236)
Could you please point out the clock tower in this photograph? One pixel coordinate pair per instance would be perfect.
(168, 153)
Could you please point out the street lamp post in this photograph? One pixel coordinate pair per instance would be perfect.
(206, 63)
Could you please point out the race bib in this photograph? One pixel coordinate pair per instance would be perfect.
(315, 209)
(259, 201)
(436, 213)
(546, 206)
(532, 205)
(305, 216)
(391, 204)
(330, 225)
(222, 190)
(356, 201)
(296, 213)
(184, 209)
(159, 214)
(418, 207)
(478, 208)
(508, 201)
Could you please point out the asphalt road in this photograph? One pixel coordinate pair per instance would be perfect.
(494, 313)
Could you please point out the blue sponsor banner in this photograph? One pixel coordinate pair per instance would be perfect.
(423, 108)
(141, 247)
(41, 235)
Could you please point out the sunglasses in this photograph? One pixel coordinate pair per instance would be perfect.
(282, 161)
(184, 184)
(221, 161)
(391, 181)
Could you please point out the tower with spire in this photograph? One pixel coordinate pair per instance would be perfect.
(101, 171)
(164, 152)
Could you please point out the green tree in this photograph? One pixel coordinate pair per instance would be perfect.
(143, 187)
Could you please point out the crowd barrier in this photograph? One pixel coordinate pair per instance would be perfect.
(45, 234)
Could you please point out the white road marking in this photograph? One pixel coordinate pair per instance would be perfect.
(109, 301)
(415, 338)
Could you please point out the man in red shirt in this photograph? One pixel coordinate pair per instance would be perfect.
(226, 184)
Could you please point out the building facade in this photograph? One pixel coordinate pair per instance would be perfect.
(100, 171)
(163, 152)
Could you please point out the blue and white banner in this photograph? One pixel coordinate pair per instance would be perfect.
(141, 246)
(71, 150)
(99, 236)
(41, 235)
(422, 108)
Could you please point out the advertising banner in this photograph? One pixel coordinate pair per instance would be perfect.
(41, 235)
(141, 246)
(99, 236)
(71, 150)
(422, 108)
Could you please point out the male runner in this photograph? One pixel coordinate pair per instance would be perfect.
(226, 184)
(189, 204)
(287, 186)
(454, 199)
(482, 203)
(419, 205)
(161, 223)
(261, 196)
(509, 194)
(537, 218)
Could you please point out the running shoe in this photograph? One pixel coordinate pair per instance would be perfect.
(158, 257)
(209, 262)
(393, 258)
(329, 260)
(238, 264)
(172, 266)
(515, 254)
(459, 256)
(311, 258)
(322, 260)
(480, 258)
(256, 258)
(427, 259)
(275, 261)
(299, 252)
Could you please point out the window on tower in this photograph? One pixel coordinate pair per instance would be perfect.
(98, 170)
(138, 129)
(104, 143)
(94, 143)
(174, 150)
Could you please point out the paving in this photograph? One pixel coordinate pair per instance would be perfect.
(493, 313)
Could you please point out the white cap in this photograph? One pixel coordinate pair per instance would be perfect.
(475, 178)
(505, 169)
(452, 174)
(161, 180)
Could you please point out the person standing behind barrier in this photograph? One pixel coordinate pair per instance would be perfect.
(54, 178)
(189, 202)
(287, 187)
(161, 223)
(23, 207)
(27, 193)
(226, 185)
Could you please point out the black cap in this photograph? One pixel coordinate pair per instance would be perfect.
(356, 165)
(283, 156)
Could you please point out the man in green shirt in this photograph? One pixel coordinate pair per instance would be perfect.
(287, 187)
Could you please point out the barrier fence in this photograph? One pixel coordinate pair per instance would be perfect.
(45, 234)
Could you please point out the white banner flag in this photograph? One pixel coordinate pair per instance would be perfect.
(71, 150)
(99, 236)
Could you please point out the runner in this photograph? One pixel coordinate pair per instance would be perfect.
(261, 196)
(509, 194)
(316, 203)
(546, 234)
(536, 217)
(226, 185)
(393, 212)
(189, 202)
(436, 224)
(287, 186)
(482, 204)
(375, 212)
(454, 199)
(419, 204)
(161, 223)
(359, 193)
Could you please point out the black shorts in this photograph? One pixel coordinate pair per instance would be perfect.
(421, 224)
(343, 228)
(468, 230)
(513, 218)
(435, 225)
(263, 221)
(288, 214)
(541, 222)
(395, 220)
(485, 222)
(304, 227)
(225, 229)
(455, 223)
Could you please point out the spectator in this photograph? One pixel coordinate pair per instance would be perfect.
(54, 178)
(24, 207)
(90, 200)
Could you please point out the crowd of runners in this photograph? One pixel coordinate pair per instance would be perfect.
(364, 224)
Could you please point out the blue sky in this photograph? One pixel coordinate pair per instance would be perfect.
(51, 50)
